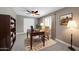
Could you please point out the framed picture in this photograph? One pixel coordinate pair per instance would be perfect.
(65, 18)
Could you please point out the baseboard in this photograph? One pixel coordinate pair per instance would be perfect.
(20, 33)
(77, 48)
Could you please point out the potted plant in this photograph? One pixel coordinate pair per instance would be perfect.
(38, 26)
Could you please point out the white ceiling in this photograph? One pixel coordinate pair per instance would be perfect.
(41, 10)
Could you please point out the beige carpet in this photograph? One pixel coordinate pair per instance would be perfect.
(38, 44)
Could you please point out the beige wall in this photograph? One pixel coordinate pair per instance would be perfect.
(62, 32)
(19, 24)
(8, 11)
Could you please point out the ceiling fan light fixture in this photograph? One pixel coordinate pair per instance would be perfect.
(33, 14)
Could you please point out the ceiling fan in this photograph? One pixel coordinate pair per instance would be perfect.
(33, 12)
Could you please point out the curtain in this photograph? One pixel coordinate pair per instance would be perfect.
(47, 21)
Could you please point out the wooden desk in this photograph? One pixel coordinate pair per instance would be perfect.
(35, 34)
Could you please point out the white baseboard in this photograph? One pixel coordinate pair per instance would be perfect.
(77, 48)
(20, 33)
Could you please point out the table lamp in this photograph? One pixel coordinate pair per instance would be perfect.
(42, 25)
(71, 25)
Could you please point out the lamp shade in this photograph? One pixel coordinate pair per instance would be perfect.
(42, 24)
(72, 24)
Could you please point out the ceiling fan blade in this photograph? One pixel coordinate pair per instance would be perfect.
(36, 11)
(28, 11)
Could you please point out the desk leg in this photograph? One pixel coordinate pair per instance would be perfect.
(30, 42)
(27, 35)
(43, 40)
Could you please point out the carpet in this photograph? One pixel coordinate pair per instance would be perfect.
(38, 44)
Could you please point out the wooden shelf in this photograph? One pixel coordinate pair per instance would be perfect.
(7, 32)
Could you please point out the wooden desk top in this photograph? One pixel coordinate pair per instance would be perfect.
(37, 33)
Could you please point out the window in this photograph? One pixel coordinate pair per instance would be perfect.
(47, 21)
(27, 23)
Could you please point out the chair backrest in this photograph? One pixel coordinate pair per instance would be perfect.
(28, 30)
(32, 29)
(46, 30)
